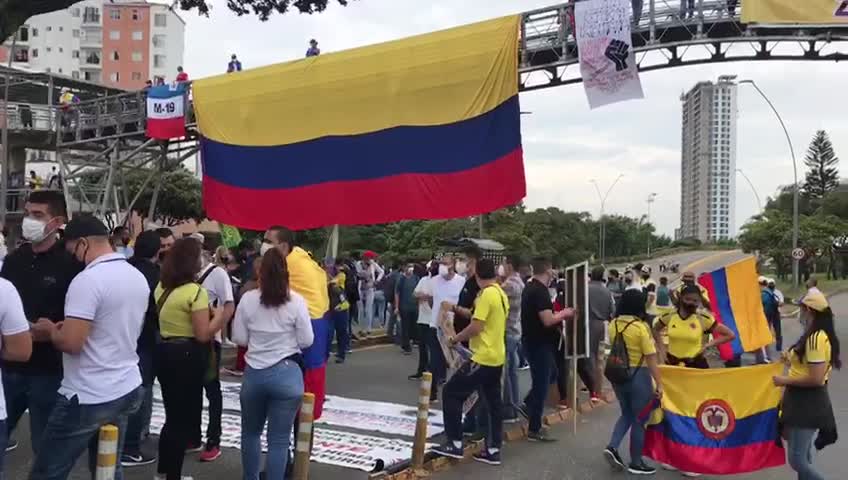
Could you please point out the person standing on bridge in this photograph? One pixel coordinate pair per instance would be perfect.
(234, 65)
(313, 50)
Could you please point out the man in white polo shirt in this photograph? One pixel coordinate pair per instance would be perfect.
(16, 345)
(104, 314)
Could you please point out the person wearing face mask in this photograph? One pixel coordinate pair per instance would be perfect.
(104, 316)
(687, 328)
(406, 306)
(423, 294)
(467, 267)
(541, 331)
(687, 279)
(41, 271)
(446, 288)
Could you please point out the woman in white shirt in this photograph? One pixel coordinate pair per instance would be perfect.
(273, 323)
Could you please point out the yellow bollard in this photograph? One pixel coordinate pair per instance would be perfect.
(107, 452)
(303, 442)
(420, 443)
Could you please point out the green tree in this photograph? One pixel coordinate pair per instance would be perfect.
(822, 162)
(179, 196)
(14, 13)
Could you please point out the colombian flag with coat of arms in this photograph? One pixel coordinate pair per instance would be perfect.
(719, 421)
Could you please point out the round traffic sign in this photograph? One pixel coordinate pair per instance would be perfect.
(798, 253)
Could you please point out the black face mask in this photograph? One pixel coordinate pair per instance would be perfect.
(162, 256)
(688, 308)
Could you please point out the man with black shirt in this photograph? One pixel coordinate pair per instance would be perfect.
(147, 247)
(41, 271)
(541, 331)
(475, 421)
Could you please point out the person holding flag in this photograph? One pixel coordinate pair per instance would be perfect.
(807, 411)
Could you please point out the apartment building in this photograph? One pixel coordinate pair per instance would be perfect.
(117, 43)
(708, 161)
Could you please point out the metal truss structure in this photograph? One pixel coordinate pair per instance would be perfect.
(670, 34)
(104, 133)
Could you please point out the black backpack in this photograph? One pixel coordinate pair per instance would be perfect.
(618, 369)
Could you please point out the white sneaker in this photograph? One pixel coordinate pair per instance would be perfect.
(668, 467)
(162, 477)
(690, 474)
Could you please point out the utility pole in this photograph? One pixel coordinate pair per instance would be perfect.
(602, 228)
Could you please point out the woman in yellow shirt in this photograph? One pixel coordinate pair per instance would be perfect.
(637, 393)
(686, 329)
(181, 357)
(807, 412)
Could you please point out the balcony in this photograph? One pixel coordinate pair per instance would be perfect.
(91, 39)
(91, 19)
(91, 60)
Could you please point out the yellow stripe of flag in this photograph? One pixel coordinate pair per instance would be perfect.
(686, 389)
(792, 11)
(431, 79)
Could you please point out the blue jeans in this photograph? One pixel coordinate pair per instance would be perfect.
(800, 452)
(510, 390)
(138, 424)
(380, 307)
(273, 394)
(34, 392)
(632, 396)
(367, 312)
(73, 427)
(340, 323)
(542, 362)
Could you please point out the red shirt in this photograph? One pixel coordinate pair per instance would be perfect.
(182, 77)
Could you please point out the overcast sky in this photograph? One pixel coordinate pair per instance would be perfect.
(565, 143)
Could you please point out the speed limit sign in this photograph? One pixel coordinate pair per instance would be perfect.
(798, 253)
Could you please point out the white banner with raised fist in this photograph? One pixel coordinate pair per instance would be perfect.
(607, 62)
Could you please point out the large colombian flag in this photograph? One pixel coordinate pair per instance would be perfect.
(421, 128)
(718, 422)
(736, 302)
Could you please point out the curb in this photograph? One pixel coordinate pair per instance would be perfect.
(514, 433)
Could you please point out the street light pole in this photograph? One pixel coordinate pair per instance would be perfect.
(602, 230)
(795, 266)
(651, 198)
(4, 135)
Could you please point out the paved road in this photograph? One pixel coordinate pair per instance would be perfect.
(579, 458)
(379, 373)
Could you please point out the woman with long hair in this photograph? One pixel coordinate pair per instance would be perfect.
(807, 411)
(636, 391)
(273, 323)
(186, 326)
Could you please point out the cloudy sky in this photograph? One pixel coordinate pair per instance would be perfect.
(565, 143)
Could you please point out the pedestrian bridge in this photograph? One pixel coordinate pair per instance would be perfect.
(670, 34)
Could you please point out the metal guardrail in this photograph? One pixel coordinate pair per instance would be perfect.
(23, 116)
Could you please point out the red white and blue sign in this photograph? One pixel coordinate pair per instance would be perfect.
(166, 111)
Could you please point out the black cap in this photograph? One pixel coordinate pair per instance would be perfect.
(85, 226)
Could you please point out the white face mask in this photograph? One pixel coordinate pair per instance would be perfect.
(409, 271)
(461, 268)
(265, 248)
(444, 270)
(501, 271)
(33, 230)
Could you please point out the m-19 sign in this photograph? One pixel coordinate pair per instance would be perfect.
(166, 112)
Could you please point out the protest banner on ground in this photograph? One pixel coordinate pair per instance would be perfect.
(344, 449)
